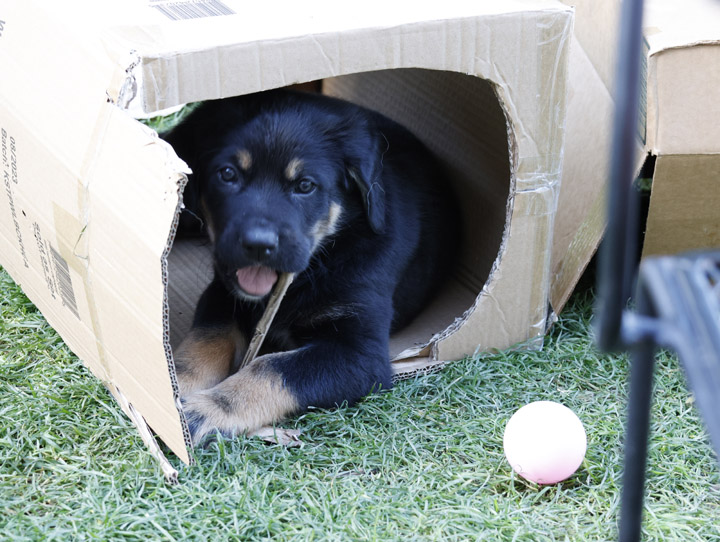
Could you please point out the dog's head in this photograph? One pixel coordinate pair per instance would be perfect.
(275, 176)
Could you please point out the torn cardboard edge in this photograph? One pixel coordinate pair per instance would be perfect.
(270, 434)
(289, 438)
(532, 196)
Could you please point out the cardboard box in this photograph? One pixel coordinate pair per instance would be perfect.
(582, 205)
(683, 125)
(91, 196)
(680, 124)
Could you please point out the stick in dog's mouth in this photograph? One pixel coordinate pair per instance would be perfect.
(278, 292)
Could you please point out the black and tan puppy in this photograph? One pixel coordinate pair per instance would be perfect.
(345, 198)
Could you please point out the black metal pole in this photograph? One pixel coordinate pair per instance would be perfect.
(642, 363)
(617, 257)
(617, 266)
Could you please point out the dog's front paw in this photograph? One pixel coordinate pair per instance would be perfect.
(251, 398)
(205, 418)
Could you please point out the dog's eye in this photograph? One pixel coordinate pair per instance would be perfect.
(305, 186)
(228, 174)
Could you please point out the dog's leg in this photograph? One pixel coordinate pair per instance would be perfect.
(251, 398)
(206, 356)
(325, 373)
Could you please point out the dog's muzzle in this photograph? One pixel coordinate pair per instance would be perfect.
(258, 245)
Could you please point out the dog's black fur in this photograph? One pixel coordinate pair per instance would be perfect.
(345, 198)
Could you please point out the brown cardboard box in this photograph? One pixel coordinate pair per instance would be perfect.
(581, 216)
(680, 127)
(683, 125)
(91, 196)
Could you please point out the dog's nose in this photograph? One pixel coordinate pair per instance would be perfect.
(259, 243)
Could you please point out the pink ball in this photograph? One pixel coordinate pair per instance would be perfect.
(545, 442)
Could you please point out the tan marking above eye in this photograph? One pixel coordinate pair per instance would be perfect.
(293, 169)
(244, 159)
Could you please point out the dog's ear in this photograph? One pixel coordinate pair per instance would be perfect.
(183, 138)
(196, 134)
(364, 147)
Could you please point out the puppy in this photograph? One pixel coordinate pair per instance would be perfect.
(346, 199)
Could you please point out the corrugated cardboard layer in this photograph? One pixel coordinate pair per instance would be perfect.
(126, 271)
(83, 236)
(88, 270)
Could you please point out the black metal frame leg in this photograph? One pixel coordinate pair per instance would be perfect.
(642, 364)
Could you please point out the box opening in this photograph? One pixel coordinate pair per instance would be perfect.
(460, 118)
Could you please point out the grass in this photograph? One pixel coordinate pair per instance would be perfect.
(424, 462)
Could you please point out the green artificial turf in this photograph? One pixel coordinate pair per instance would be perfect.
(423, 462)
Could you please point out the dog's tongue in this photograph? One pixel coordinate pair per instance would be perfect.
(256, 280)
